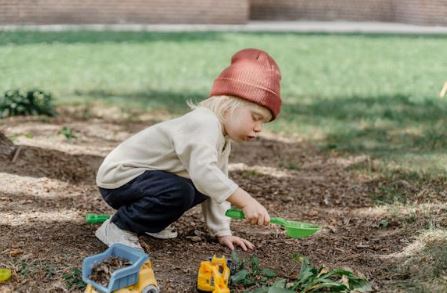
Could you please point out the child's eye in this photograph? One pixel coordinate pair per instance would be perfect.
(256, 117)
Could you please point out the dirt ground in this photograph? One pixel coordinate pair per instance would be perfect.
(47, 189)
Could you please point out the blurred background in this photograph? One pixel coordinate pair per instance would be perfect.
(358, 76)
(424, 12)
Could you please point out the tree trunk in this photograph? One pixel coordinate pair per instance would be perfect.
(7, 147)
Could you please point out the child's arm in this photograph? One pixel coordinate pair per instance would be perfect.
(219, 224)
(253, 210)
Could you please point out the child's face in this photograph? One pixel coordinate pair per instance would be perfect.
(244, 123)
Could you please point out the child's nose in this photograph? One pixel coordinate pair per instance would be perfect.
(258, 127)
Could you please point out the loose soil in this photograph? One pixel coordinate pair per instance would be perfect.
(50, 186)
(102, 272)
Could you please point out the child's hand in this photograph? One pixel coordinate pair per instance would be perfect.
(255, 213)
(230, 241)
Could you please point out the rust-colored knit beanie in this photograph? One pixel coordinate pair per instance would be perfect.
(254, 76)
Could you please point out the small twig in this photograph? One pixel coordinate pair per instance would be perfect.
(16, 153)
(443, 91)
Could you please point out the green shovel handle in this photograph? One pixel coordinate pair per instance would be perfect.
(238, 214)
(235, 214)
(96, 218)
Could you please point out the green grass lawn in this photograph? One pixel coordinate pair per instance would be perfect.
(359, 94)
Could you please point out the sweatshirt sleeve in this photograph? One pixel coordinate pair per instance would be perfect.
(196, 145)
(218, 224)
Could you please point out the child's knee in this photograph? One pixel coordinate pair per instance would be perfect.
(186, 193)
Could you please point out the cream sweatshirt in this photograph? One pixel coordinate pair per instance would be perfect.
(191, 146)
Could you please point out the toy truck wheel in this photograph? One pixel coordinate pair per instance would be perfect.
(150, 289)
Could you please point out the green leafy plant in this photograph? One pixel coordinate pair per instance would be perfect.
(309, 279)
(383, 224)
(289, 165)
(250, 173)
(18, 102)
(67, 132)
(73, 279)
(248, 272)
(26, 269)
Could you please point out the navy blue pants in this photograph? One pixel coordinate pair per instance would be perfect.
(151, 201)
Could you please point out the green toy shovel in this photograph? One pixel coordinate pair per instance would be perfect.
(293, 229)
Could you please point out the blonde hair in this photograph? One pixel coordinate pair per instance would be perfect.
(221, 104)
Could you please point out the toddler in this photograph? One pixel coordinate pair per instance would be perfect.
(156, 175)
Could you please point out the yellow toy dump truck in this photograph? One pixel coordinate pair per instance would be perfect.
(213, 275)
